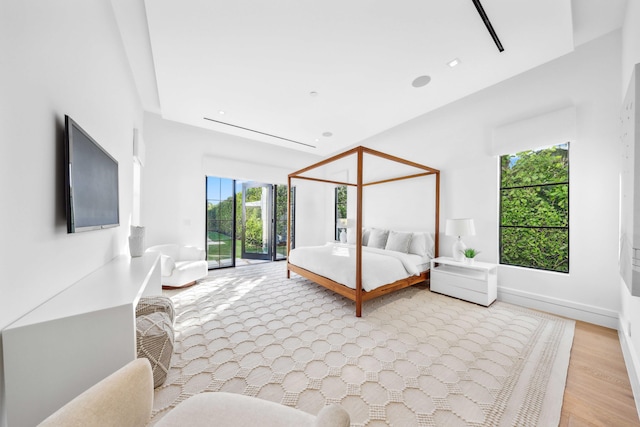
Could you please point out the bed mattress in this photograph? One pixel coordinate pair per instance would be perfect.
(337, 261)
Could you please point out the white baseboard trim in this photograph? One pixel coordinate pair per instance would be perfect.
(631, 361)
(560, 307)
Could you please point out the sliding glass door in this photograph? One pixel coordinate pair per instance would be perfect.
(245, 221)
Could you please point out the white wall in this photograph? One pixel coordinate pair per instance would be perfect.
(407, 205)
(315, 214)
(629, 328)
(178, 159)
(457, 139)
(62, 57)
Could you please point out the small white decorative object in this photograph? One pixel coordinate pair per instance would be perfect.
(136, 241)
(343, 236)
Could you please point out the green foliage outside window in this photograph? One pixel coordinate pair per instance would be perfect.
(341, 207)
(220, 223)
(281, 219)
(220, 216)
(220, 242)
(253, 221)
(534, 209)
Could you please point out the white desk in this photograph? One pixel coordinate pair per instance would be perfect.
(75, 339)
(477, 282)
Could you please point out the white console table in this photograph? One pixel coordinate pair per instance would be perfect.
(75, 339)
(475, 282)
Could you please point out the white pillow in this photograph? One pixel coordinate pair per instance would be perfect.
(167, 265)
(351, 236)
(398, 242)
(378, 238)
(421, 244)
(366, 232)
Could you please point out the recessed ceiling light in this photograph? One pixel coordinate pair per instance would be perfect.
(421, 81)
(317, 139)
(313, 93)
(221, 112)
(327, 134)
(453, 62)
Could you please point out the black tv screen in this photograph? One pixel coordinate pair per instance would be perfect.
(91, 182)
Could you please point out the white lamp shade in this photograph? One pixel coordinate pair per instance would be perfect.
(460, 227)
(346, 223)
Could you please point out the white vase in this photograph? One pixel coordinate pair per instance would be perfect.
(343, 236)
(136, 241)
(458, 250)
(470, 260)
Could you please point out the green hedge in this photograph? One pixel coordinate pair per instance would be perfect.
(534, 209)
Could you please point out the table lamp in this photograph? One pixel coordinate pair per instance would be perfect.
(459, 227)
(342, 225)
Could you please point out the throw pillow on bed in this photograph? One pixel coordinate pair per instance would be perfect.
(398, 242)
(421, 244)
(378, 238)
(351, 236)
(366, 232)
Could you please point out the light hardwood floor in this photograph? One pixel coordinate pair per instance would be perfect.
(598, 392)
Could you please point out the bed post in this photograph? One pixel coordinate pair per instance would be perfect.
(359, 236)
(288, 223)
(436, 237)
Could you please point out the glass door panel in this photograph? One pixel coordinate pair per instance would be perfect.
(256, 221)
(220, 222)
(292, 208)
(280, 222)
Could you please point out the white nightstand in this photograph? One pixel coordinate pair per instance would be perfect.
(477, 282)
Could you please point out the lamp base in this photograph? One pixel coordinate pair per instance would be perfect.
(458, 250)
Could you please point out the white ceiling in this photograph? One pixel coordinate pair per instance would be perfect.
(259, 62)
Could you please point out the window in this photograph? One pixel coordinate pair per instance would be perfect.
(534, 209)
(341, 209)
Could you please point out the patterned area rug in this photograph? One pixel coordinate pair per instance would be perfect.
(414, 358)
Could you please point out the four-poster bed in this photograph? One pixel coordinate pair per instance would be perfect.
(358, 293)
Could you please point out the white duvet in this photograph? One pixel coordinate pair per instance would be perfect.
(337, 261)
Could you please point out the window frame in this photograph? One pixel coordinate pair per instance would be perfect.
(502, 227)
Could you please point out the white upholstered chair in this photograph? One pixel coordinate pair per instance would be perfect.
(181, 265)
(125, 398)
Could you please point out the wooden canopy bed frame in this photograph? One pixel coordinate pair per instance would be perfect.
(358, 295)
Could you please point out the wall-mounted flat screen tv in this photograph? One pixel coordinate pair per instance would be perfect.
(91, 182)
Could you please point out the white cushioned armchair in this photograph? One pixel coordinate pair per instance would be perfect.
(181, 265)
(125, 398)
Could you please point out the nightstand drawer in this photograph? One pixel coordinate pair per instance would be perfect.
(451, 279)
(465, 294)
